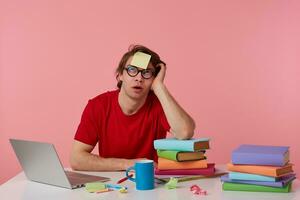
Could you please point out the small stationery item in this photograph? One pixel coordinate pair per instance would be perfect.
(209, 171)
(159, 180)
(262, 170)
(261, 155)
(165, 164)
(95, 186)
(140, 60)
(123, 190)
(197, 190)
(115, 186)
(172, 184)
(283, 181)
(144, 174)
(255, 188)
(182, 145)
(104, 190)
(183, 178)
(180, 155)
(124, 179)
(191, 178)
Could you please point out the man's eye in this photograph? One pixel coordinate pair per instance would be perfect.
(131, 69)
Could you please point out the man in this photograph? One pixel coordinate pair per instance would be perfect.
(125, 122)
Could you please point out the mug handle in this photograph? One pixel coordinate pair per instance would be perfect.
(127, 175)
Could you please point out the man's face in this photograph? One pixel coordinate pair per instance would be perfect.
(136, 87)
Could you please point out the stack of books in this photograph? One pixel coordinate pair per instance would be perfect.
(183, 157)
(259, 168)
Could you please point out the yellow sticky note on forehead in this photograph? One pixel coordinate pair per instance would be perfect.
(140, 60)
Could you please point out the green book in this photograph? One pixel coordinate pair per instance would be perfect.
(255, 188)
(180, 155)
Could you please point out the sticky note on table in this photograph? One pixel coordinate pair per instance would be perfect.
(95, 186)
(140, 60)
(172, 184)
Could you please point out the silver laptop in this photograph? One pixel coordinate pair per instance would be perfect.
(41, 163)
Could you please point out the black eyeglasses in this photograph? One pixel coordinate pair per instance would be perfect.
(133, 71)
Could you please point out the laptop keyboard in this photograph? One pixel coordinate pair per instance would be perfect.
(78, 178)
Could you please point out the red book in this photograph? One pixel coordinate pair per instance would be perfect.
(210, 170)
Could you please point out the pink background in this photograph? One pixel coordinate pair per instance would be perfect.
(233, 65)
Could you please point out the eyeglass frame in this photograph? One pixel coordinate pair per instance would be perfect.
(153, 71)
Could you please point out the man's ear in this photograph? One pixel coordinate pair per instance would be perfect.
(119, 77)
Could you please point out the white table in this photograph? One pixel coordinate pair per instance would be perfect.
(19, 187)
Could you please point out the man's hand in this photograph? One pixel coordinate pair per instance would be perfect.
(82, 159)
(130, 162)
(159, 79)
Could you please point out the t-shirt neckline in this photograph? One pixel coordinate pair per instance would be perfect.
(133, 115)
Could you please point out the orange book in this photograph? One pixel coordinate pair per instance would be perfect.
(274, 171)
(165, 164)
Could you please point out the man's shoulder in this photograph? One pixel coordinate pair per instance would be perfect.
(105, 97)
(108, 94)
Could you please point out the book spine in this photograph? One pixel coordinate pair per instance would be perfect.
(250, 177)
(174, 145)
(254, 188)
(283, 183)
(205, 171)
(167, 155)
(164, 164)
(253, 170)
(257, 159)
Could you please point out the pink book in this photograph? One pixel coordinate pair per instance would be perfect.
(210, 170)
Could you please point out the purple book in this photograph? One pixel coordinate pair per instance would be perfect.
(284, 180)
(260, 155)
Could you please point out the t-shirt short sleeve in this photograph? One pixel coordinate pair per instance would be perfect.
(87, 131)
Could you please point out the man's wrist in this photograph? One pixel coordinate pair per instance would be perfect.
(158, 88)
(126, 163)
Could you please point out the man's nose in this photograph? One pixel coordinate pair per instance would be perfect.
(139, 77)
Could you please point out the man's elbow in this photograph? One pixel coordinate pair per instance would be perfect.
(190, 130)
(187, 132)
(74, 163)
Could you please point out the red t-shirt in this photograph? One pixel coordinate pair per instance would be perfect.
(119, 135)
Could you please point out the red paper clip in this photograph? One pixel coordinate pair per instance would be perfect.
(197, 190)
